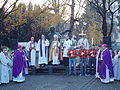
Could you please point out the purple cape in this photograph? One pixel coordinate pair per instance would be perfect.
(18, 63)
(106, 63)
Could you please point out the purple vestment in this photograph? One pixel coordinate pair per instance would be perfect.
(41, 48)
(18, 63)
(106, 62)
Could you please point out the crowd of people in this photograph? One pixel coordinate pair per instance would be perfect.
(14, 64)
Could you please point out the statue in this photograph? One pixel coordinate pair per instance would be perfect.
(52, 33)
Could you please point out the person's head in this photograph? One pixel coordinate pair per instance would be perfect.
(67, 37)
(99, 46)
(82, 46)
(32, 38)
(82, 36)
(4, 49)
(23, 48)
(104, 46)
(72, 46)
(55, 37)
(43, 36)
(116, 52)
(19, 47)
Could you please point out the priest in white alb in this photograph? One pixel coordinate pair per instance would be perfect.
(4, 69)
(42, 47)
(66, 46)
(31, 47)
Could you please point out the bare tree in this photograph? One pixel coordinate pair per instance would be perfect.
(5, 11)
(72, 17)
(104, 8)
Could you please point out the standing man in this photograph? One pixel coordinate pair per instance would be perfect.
(4, 66)
(42, 47)
(31, 47)
(55, 53)
(98, 56)
(83, 53)
(18, 65)
(83, 41)
(92, 59)
(72, 53)
(66, 46)
(105, 65)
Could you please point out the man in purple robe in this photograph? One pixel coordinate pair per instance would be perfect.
(105, 69)
(42, 47)
(18, 65)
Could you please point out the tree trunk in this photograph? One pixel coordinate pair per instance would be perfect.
(104, 29)
(104, 26)
(72, 17)
(111, 27)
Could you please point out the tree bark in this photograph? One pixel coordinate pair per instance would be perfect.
(72, 17)
(104, 26)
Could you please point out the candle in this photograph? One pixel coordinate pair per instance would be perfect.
(92, 41)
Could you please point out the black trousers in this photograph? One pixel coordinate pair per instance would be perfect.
(65, 61)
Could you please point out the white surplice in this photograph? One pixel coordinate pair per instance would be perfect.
(66, 46)
(44, 58)
(115, 66)
(97, 75)
(10, 67)
(4, 68)
(33, 52)
(83, 41)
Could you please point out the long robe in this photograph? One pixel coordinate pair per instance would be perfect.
(32, 52)
(10, 59)
(106, 68)
(67, 44)
(55, 53)
(42, 47)
(116, 64)
(18, 66)
(97, 57)
(83, 41)
(4, 68)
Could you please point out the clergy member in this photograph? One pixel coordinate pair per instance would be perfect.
(97, 62)
(31, 47)
(55, 52)
(18, 65)
(83, 41)
(4, 69)
(105, 65)
(66, 46)
(116, 64)
(42, 47)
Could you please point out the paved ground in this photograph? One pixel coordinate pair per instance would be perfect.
(61, 82)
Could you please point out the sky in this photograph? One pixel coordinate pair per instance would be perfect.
(41, 2)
